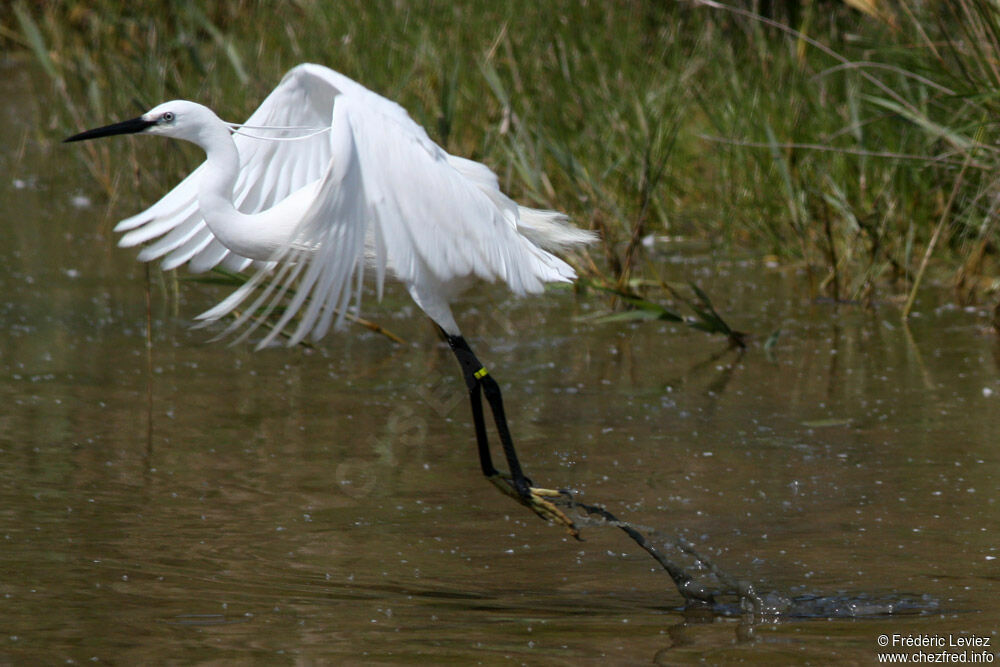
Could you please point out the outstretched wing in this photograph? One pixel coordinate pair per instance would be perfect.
(270, 171)
(314, 275)
(431, 219)
(434, 217)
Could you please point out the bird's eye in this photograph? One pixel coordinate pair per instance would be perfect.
(167, 117)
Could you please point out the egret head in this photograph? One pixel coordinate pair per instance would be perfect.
(179, 119)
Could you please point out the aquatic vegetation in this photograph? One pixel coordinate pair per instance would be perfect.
(857, 145)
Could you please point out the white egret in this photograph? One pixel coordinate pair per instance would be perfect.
(325, 178)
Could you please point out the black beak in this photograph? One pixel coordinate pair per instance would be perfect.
(125, 127)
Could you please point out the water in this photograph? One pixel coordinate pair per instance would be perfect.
(194, 502)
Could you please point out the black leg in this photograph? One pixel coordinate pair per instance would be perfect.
(491, 390)
(516, 485)
(480, 382)
(482, 442)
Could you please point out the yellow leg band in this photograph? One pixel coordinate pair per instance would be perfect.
(481, 373)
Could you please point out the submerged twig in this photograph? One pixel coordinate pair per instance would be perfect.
(706, 318)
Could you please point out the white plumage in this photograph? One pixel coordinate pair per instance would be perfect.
(311, 212)
(342, 178)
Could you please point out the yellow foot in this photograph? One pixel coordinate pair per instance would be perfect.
(537, 502)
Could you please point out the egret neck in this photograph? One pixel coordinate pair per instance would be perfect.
(255, 236)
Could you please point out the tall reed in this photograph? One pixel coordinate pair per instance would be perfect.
(860, 146)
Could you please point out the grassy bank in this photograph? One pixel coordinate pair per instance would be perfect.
(860, 147)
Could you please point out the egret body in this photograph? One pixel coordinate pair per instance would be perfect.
(324, 179)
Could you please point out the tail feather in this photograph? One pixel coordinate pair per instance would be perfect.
(551, 230)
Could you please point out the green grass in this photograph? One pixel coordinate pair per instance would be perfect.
(862, 149)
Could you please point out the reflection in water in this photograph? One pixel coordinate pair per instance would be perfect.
(321, 505)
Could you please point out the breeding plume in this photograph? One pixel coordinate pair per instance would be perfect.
(326, 179)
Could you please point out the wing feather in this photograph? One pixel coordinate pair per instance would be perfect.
(213, 255)
(433, 220)
(317, 268)
(271, 170)
(429, 223)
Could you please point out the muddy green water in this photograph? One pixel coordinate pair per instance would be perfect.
(198, 503)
